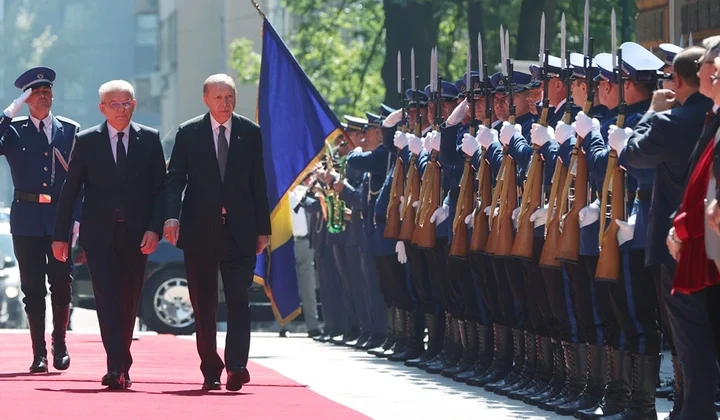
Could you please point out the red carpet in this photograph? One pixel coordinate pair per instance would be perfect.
(166, 382)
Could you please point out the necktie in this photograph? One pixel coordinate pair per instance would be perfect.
(42, 132)
(121, 166)
(222, 149)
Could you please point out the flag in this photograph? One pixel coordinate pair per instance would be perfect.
(295, 123)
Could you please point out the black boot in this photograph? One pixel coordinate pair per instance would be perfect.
(463, 347)
(452, 357)
(518, 343)
(61, 317)
(527, 374)
(446, 344)
(556, 384)
(415, 343)
(484, 359)
(543, 371)
(618, 389)
(390, 337)
(436, 331)
(401, 334)
(678, 392)
(642, 403)
(575, 376)
(502, 357)
(594, 383)
(470, 355)
(37, 337)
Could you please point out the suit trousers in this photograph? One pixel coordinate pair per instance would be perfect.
(351, 285)
(329, 284)
(659, 271)
(590, 328)
(237, 271)
(690, 320)
(117, 275)
(307, 281)
(35, 261)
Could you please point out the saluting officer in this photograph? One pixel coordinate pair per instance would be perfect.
(38, 149)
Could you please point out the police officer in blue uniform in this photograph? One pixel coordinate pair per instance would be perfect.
(38, 149)
(630, 392)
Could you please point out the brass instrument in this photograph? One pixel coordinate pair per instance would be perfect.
(335, 206)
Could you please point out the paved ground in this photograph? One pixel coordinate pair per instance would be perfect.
(375, 387)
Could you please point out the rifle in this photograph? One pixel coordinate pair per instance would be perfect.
(459, 245)
(392, 226)
(412, 184)
(430, 190)
(481, 226)
(608, 267)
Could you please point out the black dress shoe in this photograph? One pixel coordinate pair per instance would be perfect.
(314, 333)
(283, 333)
(114, 380)
(39, 365)
(128, 381)
(236, 380)
(211, 384)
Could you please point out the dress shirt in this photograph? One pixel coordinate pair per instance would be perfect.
(48, 126)
(114, 139)
(216, 133)
(299, 220)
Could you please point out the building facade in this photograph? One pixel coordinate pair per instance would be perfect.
(660, 21)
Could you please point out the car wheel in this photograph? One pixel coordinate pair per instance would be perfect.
(165, 303)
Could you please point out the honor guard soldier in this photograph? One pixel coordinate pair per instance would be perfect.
(38, 149)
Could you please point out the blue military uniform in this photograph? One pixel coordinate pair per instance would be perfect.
(38, 152)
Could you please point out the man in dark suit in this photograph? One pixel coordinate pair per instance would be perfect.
(121, 166)
(664, 139)
(223, 221)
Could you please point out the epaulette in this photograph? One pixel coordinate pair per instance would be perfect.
(20, 119)
(68, 120)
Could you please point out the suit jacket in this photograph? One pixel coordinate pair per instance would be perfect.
(665, 140)
(194, 169)
(707, 135)
(93, 167)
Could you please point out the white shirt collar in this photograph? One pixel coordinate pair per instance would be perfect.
(560, 104)
(227, 124)
(47, 121)
(715, 108)
(113, 132)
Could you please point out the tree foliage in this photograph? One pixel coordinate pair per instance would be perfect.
(349, 48)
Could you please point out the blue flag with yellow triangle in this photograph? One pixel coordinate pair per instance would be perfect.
(295, 122)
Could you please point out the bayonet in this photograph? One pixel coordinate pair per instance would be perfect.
(690, 40)
(682, 41)
(480, 56)
(412, 68)
(503, 67)
(562, 42)
(399, 73)
(542, 39)
(613, 37)
(586, 31)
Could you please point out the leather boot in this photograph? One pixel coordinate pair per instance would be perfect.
(527, 374)
(678, 393)
(470, 353)
(61, 317)
(436, 330)
(462, 336)
(401, 334)
(642, 402)
(594, 385)
(556, 384)
(543, 371)
(446, 344)
(484, 359)
(502, 357)
(37, 337)
(452, 357)
(390, 336)
(575, 376)
(415, 343)
(618, 389)
(518, 343)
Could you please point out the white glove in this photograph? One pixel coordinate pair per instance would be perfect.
(486, 136)
(515, 215)
(508, 131)
(393, 119)
(487, 210)
(458, 114)
(563, 132)
(440, 214)
(400, 250)
(470, 145)
(415, 144)
(400, 139)
(416, 204)
(627, 229)
(583, 125)
(539, 217)
(358, 149)
(469, 219)
(15, 106)
(589, 215)
(673, 244)
(617, 137)
(432, 142)
(75, 230)
(540, 135)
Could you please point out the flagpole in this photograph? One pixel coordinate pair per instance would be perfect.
(257, 7)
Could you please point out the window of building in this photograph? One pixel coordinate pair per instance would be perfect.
(168, 44)
(146, 30)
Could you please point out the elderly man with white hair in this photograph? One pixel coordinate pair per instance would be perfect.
(121, 166)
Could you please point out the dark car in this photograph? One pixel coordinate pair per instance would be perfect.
(165, 303)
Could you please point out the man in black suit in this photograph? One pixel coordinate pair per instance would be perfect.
(121, 166)
(217, 161)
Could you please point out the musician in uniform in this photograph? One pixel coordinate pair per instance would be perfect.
(38, 150)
